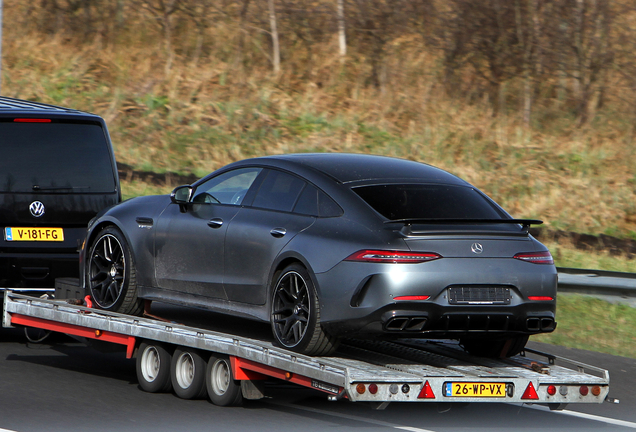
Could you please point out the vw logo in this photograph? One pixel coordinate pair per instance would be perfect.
(476, 248)
(36, 208)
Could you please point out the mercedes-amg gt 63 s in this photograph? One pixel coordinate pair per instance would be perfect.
(326, 246)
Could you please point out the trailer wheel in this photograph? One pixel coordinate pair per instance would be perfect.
(110, 274)
(187, 373)
(223, 390)
(295, 316)
(153, 368)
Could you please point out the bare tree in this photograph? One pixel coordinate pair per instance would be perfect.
(342, 36)
(274, 33)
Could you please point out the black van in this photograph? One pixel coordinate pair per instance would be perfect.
(57, 170)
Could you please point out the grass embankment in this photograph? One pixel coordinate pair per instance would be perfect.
(589, 323)
(206, 111)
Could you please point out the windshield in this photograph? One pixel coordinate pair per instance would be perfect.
(54, 157)
(427, 201)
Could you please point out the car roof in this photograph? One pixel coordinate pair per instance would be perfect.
(11, 106)
(351, 167)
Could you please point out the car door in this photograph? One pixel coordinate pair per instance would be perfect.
(258, 233)
(189, 242)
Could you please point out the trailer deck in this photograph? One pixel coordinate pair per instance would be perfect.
(361, 371)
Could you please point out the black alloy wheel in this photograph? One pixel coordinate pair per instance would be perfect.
(111, 276)
(295, 314)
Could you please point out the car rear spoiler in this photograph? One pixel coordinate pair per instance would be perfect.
(408, 223)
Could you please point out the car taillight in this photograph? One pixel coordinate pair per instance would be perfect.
(412, 297)
(401, 257)
(31, 120)
(535, 257)
(540, 298)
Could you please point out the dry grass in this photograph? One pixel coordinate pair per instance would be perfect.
(204, 113)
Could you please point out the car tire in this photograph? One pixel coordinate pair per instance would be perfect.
(110, 274)
(295, 314)
(153, 367)
(223, 389)
(494, 348)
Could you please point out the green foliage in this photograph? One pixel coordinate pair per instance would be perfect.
(589, 323)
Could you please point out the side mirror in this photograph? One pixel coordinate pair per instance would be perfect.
(181, 195)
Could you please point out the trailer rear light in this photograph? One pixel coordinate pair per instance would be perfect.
(426, 392)
(596, 390)
(414, 297)
(540, 298)
(32, 120)
(552, 390)
(397, 257)
(584, 390)
(535, 257)
(530, 393)
(373, 388)
(361, 388)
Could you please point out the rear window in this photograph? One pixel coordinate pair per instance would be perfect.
(54, 157)
(419, 201)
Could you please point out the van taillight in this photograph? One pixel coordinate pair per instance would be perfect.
(32, 120)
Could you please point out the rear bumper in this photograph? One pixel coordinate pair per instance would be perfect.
(360, 298)
(36, 270)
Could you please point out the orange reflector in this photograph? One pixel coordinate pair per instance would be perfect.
(98, 333)
(596, 390)
(32, 120)
(530, 393)
(360, 388)
(540, 298)
(411, 297)
(584, 390)
(551, 390)
(373, 388)
(427, 392)
(288, 375)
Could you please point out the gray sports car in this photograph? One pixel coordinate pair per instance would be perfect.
(326, 246)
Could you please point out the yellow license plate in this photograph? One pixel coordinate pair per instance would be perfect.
(474, 389)
(33, 234)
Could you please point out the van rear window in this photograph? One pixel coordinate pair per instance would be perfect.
(55, 157)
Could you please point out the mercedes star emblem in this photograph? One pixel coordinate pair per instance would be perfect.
(477, 248)
(36, 208)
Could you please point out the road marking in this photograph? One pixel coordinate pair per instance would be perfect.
(6, 430)
(351, 417)
(608, 420)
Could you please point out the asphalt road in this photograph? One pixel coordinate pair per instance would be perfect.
(63, 385)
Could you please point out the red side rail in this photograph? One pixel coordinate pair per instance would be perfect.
(106, 336)
(243, 369)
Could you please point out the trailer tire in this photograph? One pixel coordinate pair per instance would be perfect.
(187, 372)
(153, 367)
(223, 389)
(111, 277)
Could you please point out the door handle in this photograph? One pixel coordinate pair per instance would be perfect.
(215, 223)
(278, 232)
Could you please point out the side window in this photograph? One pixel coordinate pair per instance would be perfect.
(227, 188)
(278, 191)
(315, 202)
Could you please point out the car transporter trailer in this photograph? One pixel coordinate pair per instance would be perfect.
(362, 371)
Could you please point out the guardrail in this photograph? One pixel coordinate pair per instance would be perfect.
(598, 282)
